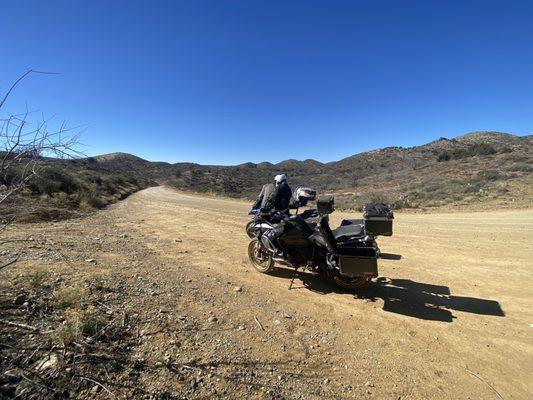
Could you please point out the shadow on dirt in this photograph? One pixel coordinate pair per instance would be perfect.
(391, 256)
(402, 296)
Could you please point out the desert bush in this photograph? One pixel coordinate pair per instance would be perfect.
(78, 324)
(68, 297)
(443, 155)
(96, 284)
(481, 149)
(430, 187)
(472, 187)
(53, 180)
(376, 197)
(489, 175)
(520, 167)
(350, 202)
(501, 188)
(36, 277)
(476, 149)
(91, 176)
(90, 197)
(402, 201)
(112, 183)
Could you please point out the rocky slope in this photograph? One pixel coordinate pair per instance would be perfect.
(476, 168)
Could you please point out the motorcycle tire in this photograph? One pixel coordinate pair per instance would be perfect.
(351, 283)
(260, 259)
(249, 231)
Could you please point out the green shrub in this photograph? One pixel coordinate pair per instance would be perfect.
(476, 149)
(481, 149)
(53, 180)
(489, 175)
(472, 187)
(92, 177)
(443, 156)
(97, 284)
(520, 167)
(36, 277)
(91, 198)
(112, 183)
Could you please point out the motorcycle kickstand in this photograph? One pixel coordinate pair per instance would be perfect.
(293, 277)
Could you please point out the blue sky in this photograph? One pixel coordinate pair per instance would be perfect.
(224, 82)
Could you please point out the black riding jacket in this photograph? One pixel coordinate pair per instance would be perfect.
(274, 197)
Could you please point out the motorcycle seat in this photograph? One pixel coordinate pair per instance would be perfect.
(352, 222)
(344, 232)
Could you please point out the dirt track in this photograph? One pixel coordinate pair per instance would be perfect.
(457, 303)
(450, 318)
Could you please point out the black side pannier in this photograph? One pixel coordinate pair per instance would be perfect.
(378, 219)
(357, 261)
(325, 205)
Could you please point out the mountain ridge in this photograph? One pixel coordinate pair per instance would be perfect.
(477, 169)
(474, 136)
(479, 166)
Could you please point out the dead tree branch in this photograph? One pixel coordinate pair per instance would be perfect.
(26, 146)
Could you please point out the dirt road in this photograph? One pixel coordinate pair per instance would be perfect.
(450, 317)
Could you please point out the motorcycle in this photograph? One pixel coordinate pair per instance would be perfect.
(347, 255)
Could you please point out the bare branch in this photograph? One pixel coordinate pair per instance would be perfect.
(26, 147)
(9, 263)
(30, 71)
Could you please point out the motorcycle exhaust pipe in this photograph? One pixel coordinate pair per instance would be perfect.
(282, 262)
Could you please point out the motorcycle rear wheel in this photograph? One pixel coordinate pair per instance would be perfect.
(351, 283)
(261, 260)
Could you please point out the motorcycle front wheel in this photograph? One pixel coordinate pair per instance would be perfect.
(259, 257)
(249, 231)
(351, 283)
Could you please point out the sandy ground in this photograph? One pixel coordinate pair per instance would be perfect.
(457, 303)
(449, 318)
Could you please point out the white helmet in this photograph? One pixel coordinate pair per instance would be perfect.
(280, 179)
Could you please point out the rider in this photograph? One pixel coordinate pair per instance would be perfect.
(274, 196)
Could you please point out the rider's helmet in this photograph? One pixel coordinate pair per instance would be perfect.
(279, 179)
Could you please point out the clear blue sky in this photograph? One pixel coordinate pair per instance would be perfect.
(224, 82)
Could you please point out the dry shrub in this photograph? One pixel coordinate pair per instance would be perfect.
(96, 284)
(79, 324)
(37, 277)
(69, 297)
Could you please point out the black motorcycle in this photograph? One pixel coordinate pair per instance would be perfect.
(347, 255)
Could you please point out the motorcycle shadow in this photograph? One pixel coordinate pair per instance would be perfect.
(307, 280)
(403, 296)
(426, 301)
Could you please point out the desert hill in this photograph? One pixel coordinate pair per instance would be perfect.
(473, 168)
(490, 169)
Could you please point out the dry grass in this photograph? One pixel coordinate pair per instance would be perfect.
(69, 297)
(79, 324)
